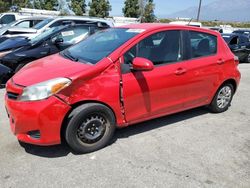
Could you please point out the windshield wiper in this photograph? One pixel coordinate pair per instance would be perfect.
(69, 56)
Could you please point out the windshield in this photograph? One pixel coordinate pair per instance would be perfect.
(43, 23)
(99, 45)
(45, 34)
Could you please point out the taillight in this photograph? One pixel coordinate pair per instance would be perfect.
(236, 60)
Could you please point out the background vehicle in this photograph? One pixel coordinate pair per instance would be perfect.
(53, 22)
(17, 37)
(243, 32)
(24, 23)
(8, 17)
(220, 30)
(194, 24)
(119, 77)
(50, 42)
(239, 45)
(5, 73)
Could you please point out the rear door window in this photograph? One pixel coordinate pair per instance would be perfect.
(202, 44)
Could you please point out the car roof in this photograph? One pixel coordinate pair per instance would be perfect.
(233, 34)
(33, 18)
(242, 30)
(86, 18)
(154, 26)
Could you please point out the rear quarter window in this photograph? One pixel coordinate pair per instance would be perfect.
(202, 44)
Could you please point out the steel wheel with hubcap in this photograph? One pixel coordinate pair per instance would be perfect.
(90, 127)
(222, 98)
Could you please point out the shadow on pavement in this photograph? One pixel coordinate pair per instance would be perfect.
(159, 122)
(47, 151)
(63, 150)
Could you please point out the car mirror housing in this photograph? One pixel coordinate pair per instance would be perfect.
(142, 64)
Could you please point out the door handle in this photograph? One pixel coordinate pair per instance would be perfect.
(220, 62)
(180, 71)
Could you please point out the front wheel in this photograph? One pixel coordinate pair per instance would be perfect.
(222, 98)
(90, 127)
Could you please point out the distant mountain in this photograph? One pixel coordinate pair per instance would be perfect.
(225, 10)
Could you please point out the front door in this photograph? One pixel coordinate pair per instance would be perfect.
(162, 90)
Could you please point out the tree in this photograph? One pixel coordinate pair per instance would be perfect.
(78, 7)
(4, 6)
(37, 4)
(99, 8)
(131, 9)
(49, 4)
(148, 14)
(64, 7)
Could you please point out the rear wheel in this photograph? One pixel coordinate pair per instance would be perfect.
(90, 127)
(222, 98)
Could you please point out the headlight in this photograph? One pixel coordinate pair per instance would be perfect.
(44, 90)
(5, 53)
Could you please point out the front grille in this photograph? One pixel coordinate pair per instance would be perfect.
(12, 95)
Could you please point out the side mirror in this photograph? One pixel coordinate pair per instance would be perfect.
(142, 64)
(58, 41)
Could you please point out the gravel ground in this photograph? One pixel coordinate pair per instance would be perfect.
(189, 149)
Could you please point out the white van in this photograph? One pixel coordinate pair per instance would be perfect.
(8, 17)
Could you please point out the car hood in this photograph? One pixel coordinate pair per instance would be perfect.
(54, 66)
(13, 43)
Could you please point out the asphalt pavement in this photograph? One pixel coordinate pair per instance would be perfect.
(194, 148)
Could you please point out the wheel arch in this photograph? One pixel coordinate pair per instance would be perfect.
(74, 106)
(230, 81)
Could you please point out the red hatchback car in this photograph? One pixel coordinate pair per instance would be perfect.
(119, 77)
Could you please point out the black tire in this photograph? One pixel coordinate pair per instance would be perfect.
(217, 105)
(90, 127)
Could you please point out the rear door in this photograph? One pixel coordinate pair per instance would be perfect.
(204, 66)
(162, 90)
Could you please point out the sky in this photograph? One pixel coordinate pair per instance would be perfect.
(162, 7)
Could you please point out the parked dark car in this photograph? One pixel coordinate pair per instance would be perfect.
(239, 45)
(49, 42)
(243, 32)
(7, 44)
